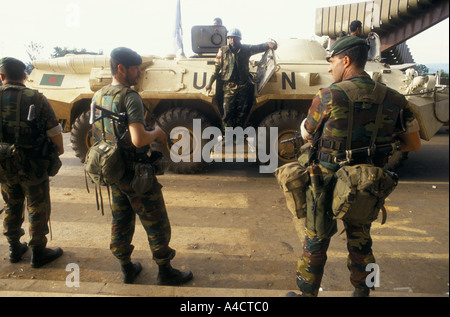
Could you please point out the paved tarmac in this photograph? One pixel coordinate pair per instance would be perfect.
(229, 248)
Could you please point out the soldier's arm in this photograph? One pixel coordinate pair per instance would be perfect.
(141, 137)
(58, 141)
(255, 49)
(217, 67)
(53, 127)
(318, 112)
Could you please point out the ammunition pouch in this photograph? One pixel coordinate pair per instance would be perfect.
(294, 180)
(145, 169)
(360, 193)
(144, 178)
(50, 154)
(17, 166)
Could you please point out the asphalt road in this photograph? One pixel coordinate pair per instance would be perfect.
(231, 227)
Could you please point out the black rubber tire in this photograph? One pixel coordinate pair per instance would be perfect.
(288, 123)
(183, 117)
(81, 136)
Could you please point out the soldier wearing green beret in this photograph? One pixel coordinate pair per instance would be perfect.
(334, 131)
(26, 175)
(126, 201)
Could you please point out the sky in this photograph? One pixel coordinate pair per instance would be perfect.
(147, 26)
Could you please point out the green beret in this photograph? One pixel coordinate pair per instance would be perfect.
(126, 56)
(11, 61)
(345, 43)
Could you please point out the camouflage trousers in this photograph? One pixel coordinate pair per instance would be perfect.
(151, 209)
(38, 206)
(310, 266)
(236, 104)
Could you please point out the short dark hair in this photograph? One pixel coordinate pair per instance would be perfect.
(114, 66)
(357, 54)
(12, 68)
(354, 25)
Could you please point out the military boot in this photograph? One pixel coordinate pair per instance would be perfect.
(167, 275)
(361, 292)
(130, 271)
(42, 255)
(294, 294)
(16, 250)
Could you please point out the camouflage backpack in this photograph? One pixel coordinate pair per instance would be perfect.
(104, 163)
(361, 190)
(16, 163)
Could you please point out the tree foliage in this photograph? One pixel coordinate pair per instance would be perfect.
(63, 51)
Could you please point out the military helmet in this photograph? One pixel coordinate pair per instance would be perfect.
(126, 56)
(234, 32)
(345, 43)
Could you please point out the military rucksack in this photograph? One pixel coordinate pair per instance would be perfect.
(104, 164)
(361, 190)
(26, 163)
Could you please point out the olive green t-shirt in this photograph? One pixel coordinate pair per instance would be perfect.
(108, 97)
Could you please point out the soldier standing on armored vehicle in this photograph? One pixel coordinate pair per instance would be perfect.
(126, 201)
(232, 66)
(341, 122)
(30, 134)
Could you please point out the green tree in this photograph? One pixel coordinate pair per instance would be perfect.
(443, 74)
(63, 51)
(34, 51)
(422, 69)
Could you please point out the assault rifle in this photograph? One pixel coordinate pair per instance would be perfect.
(349, 155)
(122, 120)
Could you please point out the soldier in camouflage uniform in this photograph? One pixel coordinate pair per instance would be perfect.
(126, 202)
(31, 138)
(328, 115)
(232, 67)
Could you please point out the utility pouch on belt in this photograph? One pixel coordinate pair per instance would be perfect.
(294, 180)
(360, 193)
(143, 179)
(8, 169)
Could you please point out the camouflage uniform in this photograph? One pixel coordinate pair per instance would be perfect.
(329, 112)
(150, 207)
(37, 195)
(233, 70)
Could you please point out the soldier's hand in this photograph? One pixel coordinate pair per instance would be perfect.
(208, 88)
(160, 135)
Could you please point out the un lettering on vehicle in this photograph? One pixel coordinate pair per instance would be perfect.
(287, 80)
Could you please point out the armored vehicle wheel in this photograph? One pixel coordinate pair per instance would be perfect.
(288, 123)
(80, 136)
(181, 120)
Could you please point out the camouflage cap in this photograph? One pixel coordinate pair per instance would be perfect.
(126, 56)
(11, 61)
(345, 43)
